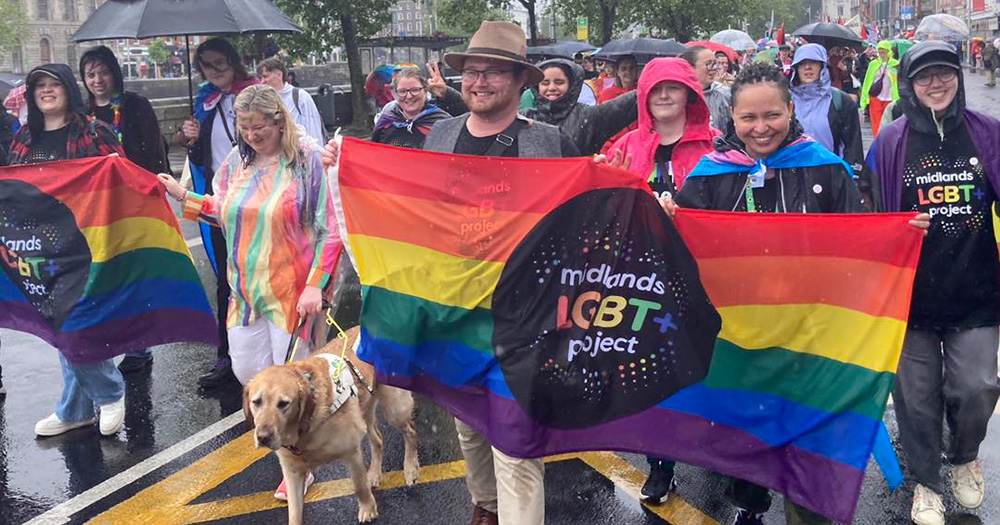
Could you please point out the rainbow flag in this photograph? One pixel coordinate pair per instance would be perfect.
(94, 262)
(551, 305)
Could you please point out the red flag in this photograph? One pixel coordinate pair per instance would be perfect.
(781, 34)
(840, 21)
(864, 33)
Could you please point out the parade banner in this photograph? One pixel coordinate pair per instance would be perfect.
(552, 305)
(94, 262)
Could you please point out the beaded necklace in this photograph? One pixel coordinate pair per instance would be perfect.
(116, 111)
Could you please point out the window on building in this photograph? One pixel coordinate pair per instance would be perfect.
(70, 50)
(17, 59)
(420, 28)
(409, 27)
(419, 15)
(409, 15)
(69, 10)
(840, 10)
(45, 50)
(43, 9)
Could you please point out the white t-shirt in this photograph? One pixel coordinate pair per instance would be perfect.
(221, 143)
(306, 114)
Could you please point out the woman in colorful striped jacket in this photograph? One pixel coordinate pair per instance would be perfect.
(273, 204)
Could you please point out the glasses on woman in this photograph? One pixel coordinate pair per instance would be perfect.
(924, 78)
(412, 92)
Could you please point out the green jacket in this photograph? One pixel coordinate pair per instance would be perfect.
(874, 67)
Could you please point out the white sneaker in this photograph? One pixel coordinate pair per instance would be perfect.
(928, 509)
(113, 417)
(967, 484)
(53, 426)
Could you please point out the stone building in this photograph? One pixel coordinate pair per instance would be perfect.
(48, 34)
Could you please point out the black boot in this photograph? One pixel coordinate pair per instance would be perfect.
(135, 363)
(659, 483)
(220, 374)
(745, 517)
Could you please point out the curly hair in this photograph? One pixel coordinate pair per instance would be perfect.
(758, 73)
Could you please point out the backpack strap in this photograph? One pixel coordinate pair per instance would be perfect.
(506, 138)
(295, 99)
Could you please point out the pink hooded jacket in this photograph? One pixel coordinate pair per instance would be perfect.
(698, 134)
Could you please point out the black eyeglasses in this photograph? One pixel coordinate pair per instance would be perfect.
(409, 92)
(924, 78)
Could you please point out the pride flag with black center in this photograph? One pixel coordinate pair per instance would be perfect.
(552, 305)
(93, 261)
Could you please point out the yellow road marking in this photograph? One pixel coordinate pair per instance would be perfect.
(168, 502)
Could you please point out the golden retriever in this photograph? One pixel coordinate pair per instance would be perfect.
(289, 408)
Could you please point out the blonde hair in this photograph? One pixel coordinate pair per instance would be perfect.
(263, 99)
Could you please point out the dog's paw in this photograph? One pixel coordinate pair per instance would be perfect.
(367, 514)
(411, 473)
(374, 478)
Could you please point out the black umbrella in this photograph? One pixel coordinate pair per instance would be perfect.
(140, 19)
(560, 50)
(643, 49)
(829, 35)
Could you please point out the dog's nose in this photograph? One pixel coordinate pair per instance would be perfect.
(264, 439)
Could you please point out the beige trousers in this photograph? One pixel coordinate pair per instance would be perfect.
(513, 488)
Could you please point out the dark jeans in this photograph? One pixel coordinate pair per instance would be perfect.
(945, 374)
(222, 289)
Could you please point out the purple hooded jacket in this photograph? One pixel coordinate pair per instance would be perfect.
(887, 157)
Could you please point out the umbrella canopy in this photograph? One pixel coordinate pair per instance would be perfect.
(643, 49)
(735, 39)
(559, 50)
(942, 27)
(829, 35)
(718, 48)
(572, 48)
(150, 18)
(139, 19)
(9, 81)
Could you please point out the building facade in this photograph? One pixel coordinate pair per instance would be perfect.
(409, 18)
(48, 36)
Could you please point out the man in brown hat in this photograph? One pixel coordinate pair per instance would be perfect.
(495, 70)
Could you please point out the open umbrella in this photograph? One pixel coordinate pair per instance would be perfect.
(559, 50)
(735, 39)
(718, 48)
(9, 81)
(139, 19)
(643, 49)
(942, 27)
(901, 45)
(829, 35)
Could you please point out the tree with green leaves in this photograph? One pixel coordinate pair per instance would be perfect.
(331, 23)
(463, 17)
(686, 20)
(607, 18)
(12, 23)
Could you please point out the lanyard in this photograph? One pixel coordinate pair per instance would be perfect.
(748, 191)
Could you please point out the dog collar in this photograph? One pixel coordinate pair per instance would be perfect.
(343, 386)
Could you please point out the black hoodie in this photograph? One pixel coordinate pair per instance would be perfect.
(588, 126)
(956, 280)
(84, 138)
(36, 122)
(140, 130)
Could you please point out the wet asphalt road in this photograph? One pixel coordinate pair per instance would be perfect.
(184, 455)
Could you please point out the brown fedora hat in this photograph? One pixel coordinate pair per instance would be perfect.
(498, 41)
